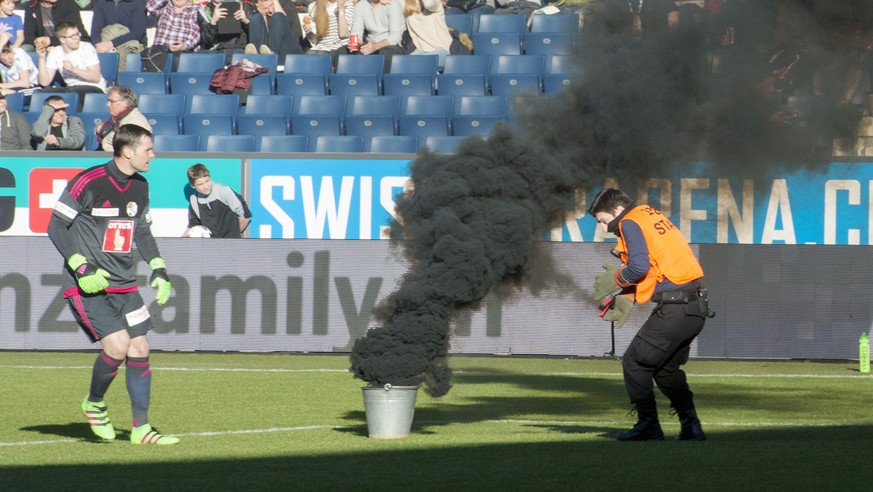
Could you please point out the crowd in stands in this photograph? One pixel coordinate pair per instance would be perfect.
(802, 73)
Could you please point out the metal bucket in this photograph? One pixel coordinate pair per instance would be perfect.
(389, 410)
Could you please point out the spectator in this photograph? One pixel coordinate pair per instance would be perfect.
(14, 128)
(55, 129)
(178, 28)
(11, 23)
(271, 30)
(76, 62)
(41, 17)
(327, 26)
(426, 25)
(119, 25)
(121, 102)
(17, 69)
(214, 38)
(486, 7)
(215, 206)
(383, 23)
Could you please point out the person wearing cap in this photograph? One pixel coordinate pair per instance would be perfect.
(55, 130)
(121, 101)
(14, 128)
(657, 265)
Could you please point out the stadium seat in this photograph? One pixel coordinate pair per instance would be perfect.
(502, 23)
(144, 82)
(207, 124)
(496, 43)
(212, 104)
(419, 64)
(132, 62)
(90, 142)
(165, 123)
(109, 66)
(460, 22)
(15, 101)
(301, 84)
(539, 43)
(318, 115)
(370, 125)
(261, 124)
(258, 104)
(282, 143)
(559, 72)
(476, 115)
(421, 116)
(343, 84)
(31, 116)
(262, 86)
(443, 144)
(190, 83)
(423, 126)
(367, 116)
(563, 23)
(358, 65)
(515, 74)
(92, 120)
(306, 68)
(176, 143)
(268, 61)
(480, 125)
(411, 74)
(464, 75)
(95, 103)
(227, 143)
(37, 100)
(200, 62)
(334, 143)
(396, 144)
(162, 103)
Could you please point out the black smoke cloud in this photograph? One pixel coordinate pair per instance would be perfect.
(474, 219)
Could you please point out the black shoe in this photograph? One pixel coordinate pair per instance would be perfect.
(690, 427)
(644, 430)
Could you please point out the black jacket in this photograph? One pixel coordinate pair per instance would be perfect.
(65, 10)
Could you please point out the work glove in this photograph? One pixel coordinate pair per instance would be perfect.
(90, 278)
(619, 310)
(160, 280)
(604, 283)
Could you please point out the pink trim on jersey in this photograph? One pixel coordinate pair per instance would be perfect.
(86, 178)
(122, 290)
(114, 183)
(77, 303)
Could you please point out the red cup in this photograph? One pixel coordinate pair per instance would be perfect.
(354, 42)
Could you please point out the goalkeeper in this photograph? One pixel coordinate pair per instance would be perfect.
(658, 266)
(98, 219)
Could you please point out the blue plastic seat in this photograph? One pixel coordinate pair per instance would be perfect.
(212, 104)
(227, 143)
(92, 120)
(368, 116)
(162, 103)
(282, 143)
(370, 125)
(502, 23)
(37, 100)
(515, 74)
(564, 23)
(268, 61)
(421, 64)
(208, 124)
(361, 65)
(144, 82)
(95, 103)
(336, 143)
(480, 125)
(318, 115)
(496, 43)
(307, 69)
(261, 124)
(176, 143)
(109, 66)
(200, 62)
(443, 144)
(464, 75)
(347, 84)
(427, 106)
(15, 101)
(301, 84)
(541, 43)
(396, 144)
(560, 72)
(132, 63)
(423, 126)
(190, 83)
(411, 74)
(165, 123)
(477, 115)
(258, 104)
(460, 22)
(90, 142)
(262, 86)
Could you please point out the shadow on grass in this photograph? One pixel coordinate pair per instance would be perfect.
(792, 458)
(72, 430)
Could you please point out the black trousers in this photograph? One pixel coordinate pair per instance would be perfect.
(657, 352)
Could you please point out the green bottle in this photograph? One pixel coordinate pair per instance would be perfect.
(864, 352)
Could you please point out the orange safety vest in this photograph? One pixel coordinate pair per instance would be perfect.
(670, 256)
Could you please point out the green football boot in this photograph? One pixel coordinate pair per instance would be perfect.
(146, 434)
(97, 416)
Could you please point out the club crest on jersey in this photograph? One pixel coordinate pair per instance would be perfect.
(132, 209)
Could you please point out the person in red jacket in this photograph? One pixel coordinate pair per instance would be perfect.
(658, 265)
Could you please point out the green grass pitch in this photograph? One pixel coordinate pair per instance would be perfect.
(296, 422)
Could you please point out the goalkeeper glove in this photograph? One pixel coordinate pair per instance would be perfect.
(90, 278)
(160, 280)
(619, 310)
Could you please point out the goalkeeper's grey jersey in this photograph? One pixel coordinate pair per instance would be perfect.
(107, 212)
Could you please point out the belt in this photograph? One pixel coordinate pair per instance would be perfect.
(679, 296)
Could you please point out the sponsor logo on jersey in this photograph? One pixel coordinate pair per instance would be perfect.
(44, 188)
(104, 212)
(118, 236)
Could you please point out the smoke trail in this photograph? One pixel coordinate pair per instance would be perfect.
(474, 219)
